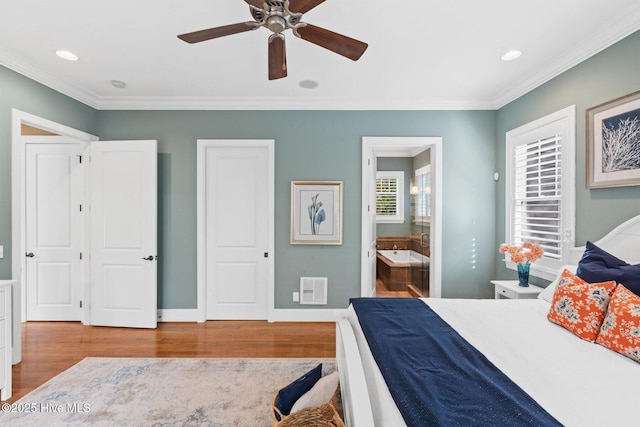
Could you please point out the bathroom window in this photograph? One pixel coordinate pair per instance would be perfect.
(390, 197)
(423, 194)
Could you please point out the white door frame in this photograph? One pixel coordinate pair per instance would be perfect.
(406, 147)
(18, 235)
(201, 220)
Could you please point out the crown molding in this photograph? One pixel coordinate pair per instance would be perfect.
(286, 103)
(16, 64)
(626, 25)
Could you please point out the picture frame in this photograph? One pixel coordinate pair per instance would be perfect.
(613, 143)
(316, 212)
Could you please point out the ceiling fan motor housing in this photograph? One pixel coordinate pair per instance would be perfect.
(276, 16)
(276, 23)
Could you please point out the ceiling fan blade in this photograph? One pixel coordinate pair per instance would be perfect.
(277, 57)
(302, 6)
(256, 3)
(214, 33)
(342, 45)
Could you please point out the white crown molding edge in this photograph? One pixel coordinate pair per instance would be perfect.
(625, 26)
(19, 66)
(282, 103)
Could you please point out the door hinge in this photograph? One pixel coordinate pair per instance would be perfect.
(80, 208)
(80, 303)
(79, 158)
(80, 255)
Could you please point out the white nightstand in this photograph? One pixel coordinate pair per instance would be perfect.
(510, 289)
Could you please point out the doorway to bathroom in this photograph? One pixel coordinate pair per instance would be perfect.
(403, 205)
(401, 226)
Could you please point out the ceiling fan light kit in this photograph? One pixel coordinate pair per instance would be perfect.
(278, 16)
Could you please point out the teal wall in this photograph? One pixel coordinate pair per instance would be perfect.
(318, 145)
(21, 93)
(608, 75)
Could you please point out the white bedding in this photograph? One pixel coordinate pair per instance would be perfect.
(578, 382)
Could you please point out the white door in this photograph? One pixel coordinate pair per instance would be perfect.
(236, 187)
(53, 228)
(123, 233)
(369, 167)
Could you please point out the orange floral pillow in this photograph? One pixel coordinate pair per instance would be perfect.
(580, 306)
(621, 327)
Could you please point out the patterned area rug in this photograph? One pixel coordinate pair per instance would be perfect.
(160, 392)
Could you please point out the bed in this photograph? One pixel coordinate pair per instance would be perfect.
(575, 381)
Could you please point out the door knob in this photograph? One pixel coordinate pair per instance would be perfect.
(29, 255)
(149, 258)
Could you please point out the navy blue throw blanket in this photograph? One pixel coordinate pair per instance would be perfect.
(434, 375)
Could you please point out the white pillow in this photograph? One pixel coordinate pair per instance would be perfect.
(547, 293)
(320, 393)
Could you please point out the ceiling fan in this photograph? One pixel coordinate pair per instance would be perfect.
(278, 16)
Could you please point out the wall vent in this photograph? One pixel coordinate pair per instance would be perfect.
(313, 290)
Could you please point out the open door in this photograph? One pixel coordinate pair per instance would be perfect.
(124, 233)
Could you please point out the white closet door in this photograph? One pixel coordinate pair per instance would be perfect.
(53, 188)
(236, 226)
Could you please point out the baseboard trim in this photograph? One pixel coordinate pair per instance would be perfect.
(277, 315)
(309, 315)
(177, 315)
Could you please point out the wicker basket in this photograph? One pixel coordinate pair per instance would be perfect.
(318, 416)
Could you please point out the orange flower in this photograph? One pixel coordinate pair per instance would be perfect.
(528, 252)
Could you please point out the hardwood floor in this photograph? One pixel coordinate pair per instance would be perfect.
(382, 291)
(49, 348)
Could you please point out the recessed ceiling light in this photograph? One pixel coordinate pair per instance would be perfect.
(65, 54)
(511, 55)
(308, 84)
(118, 84)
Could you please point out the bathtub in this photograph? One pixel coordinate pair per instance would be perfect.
(404, 257)
(396, 269)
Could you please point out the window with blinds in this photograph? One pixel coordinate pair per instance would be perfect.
(390, 196)
(538, 195)
(423, 197)
(540, 189)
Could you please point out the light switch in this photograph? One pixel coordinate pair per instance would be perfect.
(1, 252)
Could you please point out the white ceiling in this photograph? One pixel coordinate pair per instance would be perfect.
(421, 55)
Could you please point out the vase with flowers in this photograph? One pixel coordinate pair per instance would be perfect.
(523, 256)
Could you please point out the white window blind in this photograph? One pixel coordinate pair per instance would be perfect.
(390, 196)
(423, 198)
(538, 195)
(540, 189)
